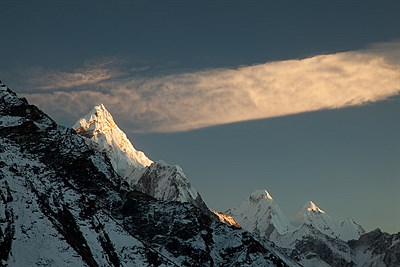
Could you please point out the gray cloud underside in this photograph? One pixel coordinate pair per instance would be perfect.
(187, 101)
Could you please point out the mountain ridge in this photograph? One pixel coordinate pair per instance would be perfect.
(315, 238)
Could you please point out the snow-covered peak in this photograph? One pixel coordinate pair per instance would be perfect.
(97, 121)
(258, 195)
(99, 126)
(157, 179)
(311, 214)
(311, 207)
(259, 213)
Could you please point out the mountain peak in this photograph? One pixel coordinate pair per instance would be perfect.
(259, 213)
(157, 179)
(97, 121)
(258, 195)
(101, 108)
(99, 126)
(311, 207)
(310, 214)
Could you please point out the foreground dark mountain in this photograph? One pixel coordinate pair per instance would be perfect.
(62, 204)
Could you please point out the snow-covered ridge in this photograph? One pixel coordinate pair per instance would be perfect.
(259, 213)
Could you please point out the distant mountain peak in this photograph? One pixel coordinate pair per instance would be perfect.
(309, 213)
(259, 213)
(311, 207)
(258, 195)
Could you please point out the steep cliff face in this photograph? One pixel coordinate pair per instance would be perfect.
(62, 204)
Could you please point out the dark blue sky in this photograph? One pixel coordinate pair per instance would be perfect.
(192, 34)
(345, 160)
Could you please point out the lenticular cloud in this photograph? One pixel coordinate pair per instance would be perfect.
(187, 101)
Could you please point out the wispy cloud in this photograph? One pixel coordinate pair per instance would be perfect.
(92, 72)
(193, 100)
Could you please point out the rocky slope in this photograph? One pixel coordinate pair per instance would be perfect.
(62, 204)
(376, 249)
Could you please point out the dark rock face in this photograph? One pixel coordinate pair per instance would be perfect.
(315, 248)
(185, 231)
(62, 204)
(382, 246)
(7, 234)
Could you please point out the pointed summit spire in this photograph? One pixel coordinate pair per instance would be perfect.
(311, 207)
(259, 213)
(99, 126)
(97, 121)
(258, 195)
(157, 179)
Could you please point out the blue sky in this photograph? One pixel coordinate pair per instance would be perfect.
(297, 97)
